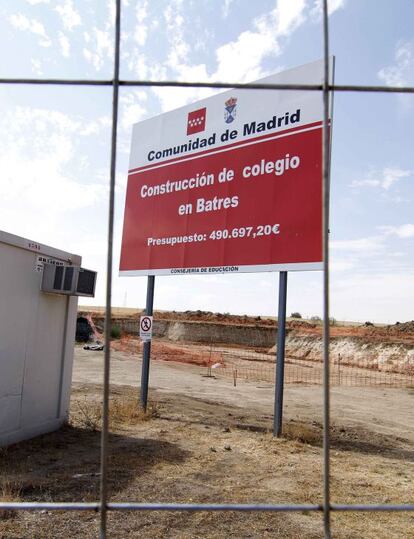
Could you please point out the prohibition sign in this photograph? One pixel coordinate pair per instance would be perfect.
(146, 324)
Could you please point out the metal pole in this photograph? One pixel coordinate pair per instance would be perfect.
(211, 84)
(108, 300)
(146, 354)
(280, 355)
(191, 507)
(325, 242)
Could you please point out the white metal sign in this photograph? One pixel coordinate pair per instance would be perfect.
(231, 183)
(145, 328)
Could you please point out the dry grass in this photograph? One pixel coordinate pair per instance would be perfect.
(302, 432)
(86, 415)
(193, 450)
(127, 411)
(9, 492)
(122, 411)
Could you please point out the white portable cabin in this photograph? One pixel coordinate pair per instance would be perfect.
(37, 333)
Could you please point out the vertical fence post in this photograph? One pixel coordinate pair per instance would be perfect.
(280, 355)
(108, 294)
(146, 354)
(325, 249)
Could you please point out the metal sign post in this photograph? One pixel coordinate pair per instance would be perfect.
(280, 355)
(146, 354)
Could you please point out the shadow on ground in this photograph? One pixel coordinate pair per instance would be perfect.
(65, 465)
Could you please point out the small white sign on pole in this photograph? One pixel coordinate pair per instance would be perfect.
(145, 328)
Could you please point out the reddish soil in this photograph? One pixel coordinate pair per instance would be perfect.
(192, 316)
(166, 351)
(397, 333)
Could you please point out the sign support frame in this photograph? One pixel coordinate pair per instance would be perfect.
(146, 353)
(280, 355)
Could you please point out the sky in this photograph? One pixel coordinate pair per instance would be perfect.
(55, 141)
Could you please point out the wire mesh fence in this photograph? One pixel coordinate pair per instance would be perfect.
(245, 352)
(353, 364)
(259, 365)
(326, 90)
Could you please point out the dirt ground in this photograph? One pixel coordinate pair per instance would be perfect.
(254, 364)
(376, 333)
(208, 441)
(257, 364)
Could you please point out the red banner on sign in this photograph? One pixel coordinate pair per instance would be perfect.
(255, 205)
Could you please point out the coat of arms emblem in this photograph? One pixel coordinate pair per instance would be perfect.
(230, 110)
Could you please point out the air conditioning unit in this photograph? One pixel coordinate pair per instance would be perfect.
(68, 280)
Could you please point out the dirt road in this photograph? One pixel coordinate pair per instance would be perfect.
(383, 411)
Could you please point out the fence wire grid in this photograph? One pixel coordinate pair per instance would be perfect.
(251, 356)
(327, 90)
(257, 365)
